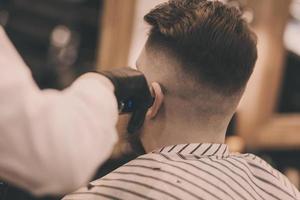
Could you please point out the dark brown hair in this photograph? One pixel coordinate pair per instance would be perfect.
(210, 39)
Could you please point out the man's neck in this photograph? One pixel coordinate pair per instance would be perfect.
(172, 134)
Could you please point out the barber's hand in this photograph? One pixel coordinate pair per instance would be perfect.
(132, 93)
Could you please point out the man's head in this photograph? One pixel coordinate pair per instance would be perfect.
(202, 53)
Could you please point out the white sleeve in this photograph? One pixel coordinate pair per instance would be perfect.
(52, 142)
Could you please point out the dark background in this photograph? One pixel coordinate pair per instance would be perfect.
(31, 25)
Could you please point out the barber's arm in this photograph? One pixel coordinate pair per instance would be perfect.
(52, 142)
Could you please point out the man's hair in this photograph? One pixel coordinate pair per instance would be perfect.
(211, 40)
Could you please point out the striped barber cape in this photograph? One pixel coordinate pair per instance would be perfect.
(192, 171)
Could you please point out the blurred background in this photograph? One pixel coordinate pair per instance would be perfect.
(62, 39)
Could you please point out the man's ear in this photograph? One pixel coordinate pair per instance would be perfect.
(158, 100)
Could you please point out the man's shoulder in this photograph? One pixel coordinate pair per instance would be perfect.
(262, 171)
(173, 175)
(258, 165)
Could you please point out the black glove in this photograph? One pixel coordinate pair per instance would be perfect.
(133, 94)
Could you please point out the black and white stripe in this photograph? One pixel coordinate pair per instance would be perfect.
(192, 171)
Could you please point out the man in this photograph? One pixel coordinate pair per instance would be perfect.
(202, 54)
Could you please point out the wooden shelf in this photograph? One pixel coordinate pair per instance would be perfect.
(257, 120)
(281, 132)
(115, 39)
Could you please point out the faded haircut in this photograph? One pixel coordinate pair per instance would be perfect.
(212, 41)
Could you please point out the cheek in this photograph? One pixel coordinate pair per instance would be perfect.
(135, 142)
(128, 143)
(122, 125)
(144, 129)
